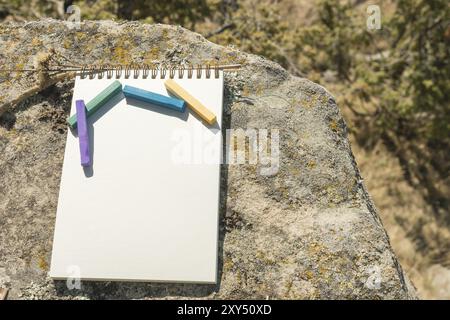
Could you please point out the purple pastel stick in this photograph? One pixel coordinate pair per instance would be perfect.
(83, 134)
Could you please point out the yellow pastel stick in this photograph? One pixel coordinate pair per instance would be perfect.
(175, 89)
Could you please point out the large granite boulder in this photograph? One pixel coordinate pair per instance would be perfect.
(305, 230)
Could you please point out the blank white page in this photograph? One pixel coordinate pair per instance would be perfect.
(148, 208)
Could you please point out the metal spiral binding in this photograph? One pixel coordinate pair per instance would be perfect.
(152, 71)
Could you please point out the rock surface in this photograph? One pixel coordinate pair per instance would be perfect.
(308, 230)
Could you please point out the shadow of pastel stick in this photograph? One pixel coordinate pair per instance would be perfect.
(175, 89)
(100, 100)
(154, 98)
(83, 133)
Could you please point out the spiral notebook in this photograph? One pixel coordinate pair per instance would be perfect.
(147, 209)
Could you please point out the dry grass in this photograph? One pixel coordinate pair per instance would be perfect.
(416, 235)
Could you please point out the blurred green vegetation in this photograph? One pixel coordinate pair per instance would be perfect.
(395, 82)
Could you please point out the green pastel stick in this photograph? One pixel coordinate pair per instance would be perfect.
(101, 99)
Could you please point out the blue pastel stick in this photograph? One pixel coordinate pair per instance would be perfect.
(154, 98)
(83, 133)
